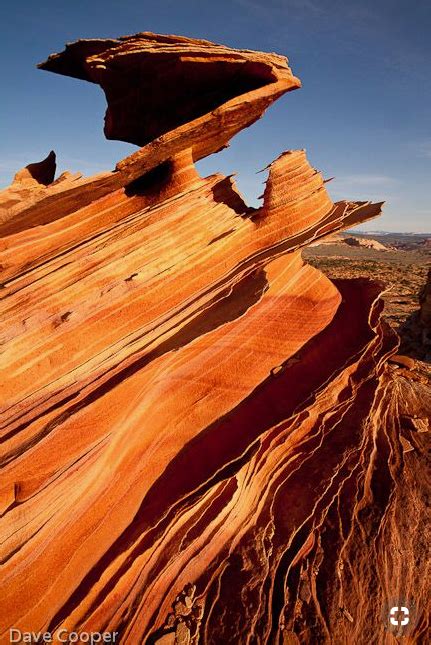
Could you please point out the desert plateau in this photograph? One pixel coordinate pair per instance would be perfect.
(401, 262)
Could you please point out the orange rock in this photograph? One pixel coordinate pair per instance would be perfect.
(200, 434)
(404, 361)
(425, 303)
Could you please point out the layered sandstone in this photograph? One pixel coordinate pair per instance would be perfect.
(203, 439)
(425, 304)
(365, 242)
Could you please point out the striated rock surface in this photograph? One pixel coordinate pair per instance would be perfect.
(416, 332)
(203, 439)
(425, 304)
(27, 186)
(170, 85)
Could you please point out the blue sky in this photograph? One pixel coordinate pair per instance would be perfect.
(363, 113)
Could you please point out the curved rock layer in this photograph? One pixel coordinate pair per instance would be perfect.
(203, 440)
(156, 84)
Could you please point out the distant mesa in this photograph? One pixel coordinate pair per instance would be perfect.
(341, 240)
(365, 242)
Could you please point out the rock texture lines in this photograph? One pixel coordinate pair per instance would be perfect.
(202, 438)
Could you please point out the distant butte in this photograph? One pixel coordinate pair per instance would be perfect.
(203, 437)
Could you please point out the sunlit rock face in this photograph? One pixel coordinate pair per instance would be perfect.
(203, 438)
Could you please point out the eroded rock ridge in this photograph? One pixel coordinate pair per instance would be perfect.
(203, 438)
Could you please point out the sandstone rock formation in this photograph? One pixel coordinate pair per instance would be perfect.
(425, 318)
(335, 238)
(425, 304)
(365, 242)
(416, 331)
(203, 439)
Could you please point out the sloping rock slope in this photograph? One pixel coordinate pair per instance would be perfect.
(203, 440)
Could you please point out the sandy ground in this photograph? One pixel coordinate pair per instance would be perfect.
(403, 272)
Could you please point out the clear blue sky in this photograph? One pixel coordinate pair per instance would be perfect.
(363, 113)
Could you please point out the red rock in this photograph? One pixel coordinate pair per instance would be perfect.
(404, 361)
(425, 304)
(202, 81)
(201, 433)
